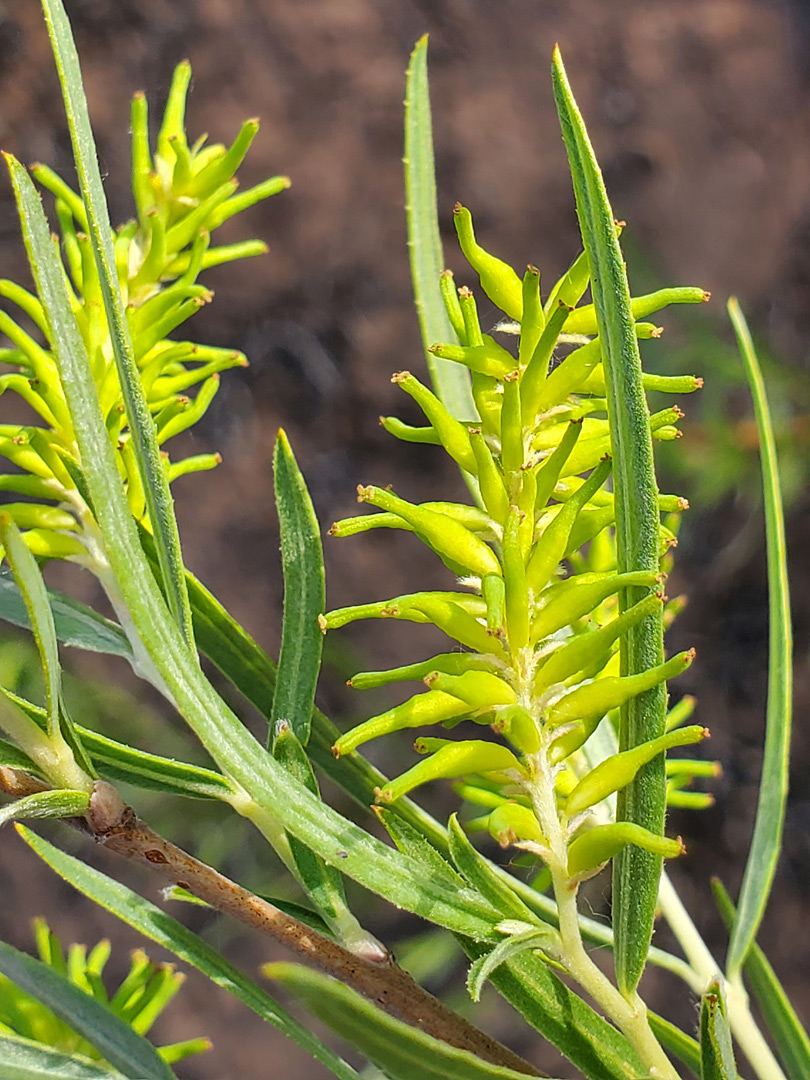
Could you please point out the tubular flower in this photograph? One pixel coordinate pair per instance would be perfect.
(182, 195)
(536, 608)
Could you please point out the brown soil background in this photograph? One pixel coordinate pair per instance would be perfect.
(699, 114)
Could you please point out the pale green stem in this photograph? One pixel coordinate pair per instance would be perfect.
(629, 1015)
(744, 1028)
(50, 753)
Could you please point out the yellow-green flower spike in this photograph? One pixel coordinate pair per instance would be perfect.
(533, 320)
(573, 599)
(489, 358)
(553, 542)
(599, 697)
(453, 436)
(592, 849)
(517, 724)
(517, 590)
(455, 663)
(445, 536)
(498, 280)
(572, 285)
(480, 690)
(452, 306)
(534, 377)
(449, 760)
(588, 648)
(583, 320)
(490, 477)
(510, 822)
(434, 707)
(617, 771)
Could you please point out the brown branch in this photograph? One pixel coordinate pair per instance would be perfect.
(115, 825)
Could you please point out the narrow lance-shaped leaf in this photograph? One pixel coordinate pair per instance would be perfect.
(160, 927)
(114, 1039)
(45, 804)
(153, 475)
(789, 1036)
(304, 596)
(401, 1051)
(26, 1060)
(451, 381)
(635, 872)
(773, 789)
(716, 1052)
(75, 623)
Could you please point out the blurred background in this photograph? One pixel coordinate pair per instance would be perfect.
(699, 112)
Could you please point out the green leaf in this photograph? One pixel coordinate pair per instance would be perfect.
(160, 927)
(451, 381)
(789, 1036)
(479, 872)
(25, 1060)
(150, 465)
(32, 588)
(767, 841)
(716, 1052)
(636, 872)
(12, 757)
(482, 968)
(76, 623)
(115, 1040)
(402, 1052)
(682, 1046)
(118, 761)
(46, 804)
(593, 1045)
(299, 661)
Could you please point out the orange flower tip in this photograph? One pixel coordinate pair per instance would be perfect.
(5, 519)
(420, 746)
(382, 795)
(717, 770)
(217, 457)
(377, 811)
(430, 678)
(349, 682)
(683, 504)
(323, 624)
(511, 376)
(661, 578)
(447, 274)
(381, 419)
(139, 95)
(679, 412)
(474, 430)
(705, 733)
(401, 376)
(679, 840)
(698, 382)
(465, 291)
(433, 348)
(530, 269)
(657, 332)
(706, 297)
(691, 654)
(507, 837)
(336, 750)
(333, 529)
(620, 224)
(363, 493)
(457, 208)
